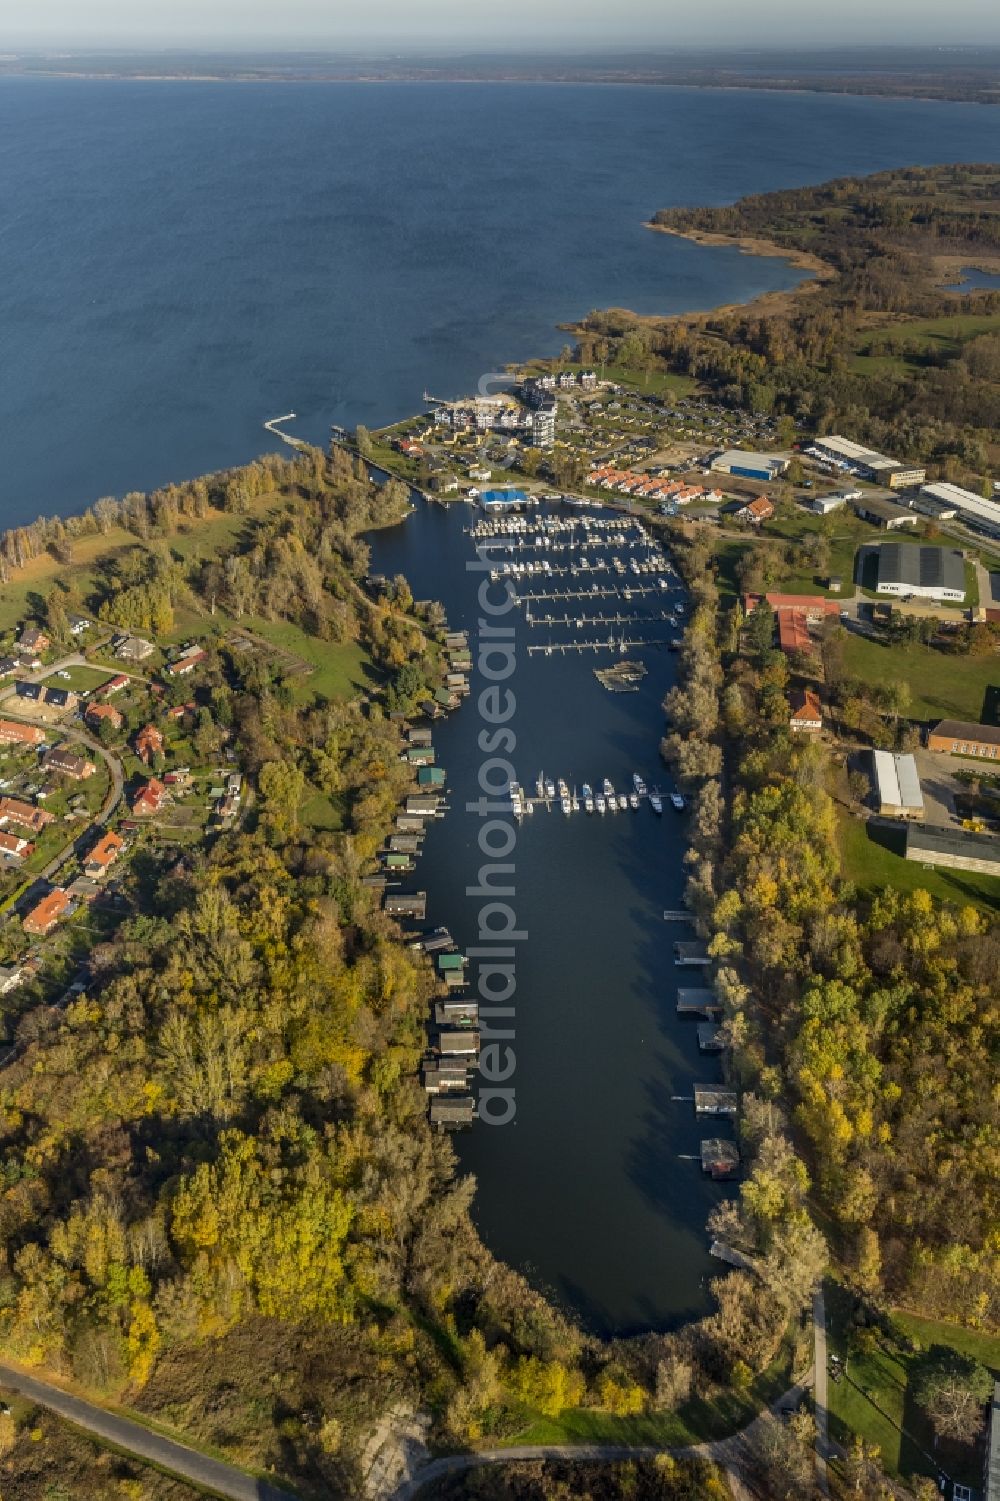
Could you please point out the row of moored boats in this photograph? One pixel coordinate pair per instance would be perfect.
(606, 800)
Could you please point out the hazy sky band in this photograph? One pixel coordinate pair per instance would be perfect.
(515, 25)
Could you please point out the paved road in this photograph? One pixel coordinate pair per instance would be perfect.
(821, 1411)
(729, 1453)
(168, 1454)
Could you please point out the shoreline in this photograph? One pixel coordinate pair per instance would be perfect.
(740, 87)
(802, 260)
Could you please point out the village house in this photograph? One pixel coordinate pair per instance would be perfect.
(807, 712)
(44, 915)
(148, 744)
(98, 714)
(77, 768)
(133, 648)
(12, 733)
(756, 511)
(149, 798)
(103, 855)
(25, 815)
(186, 661)
(32, 640)
(14, 847)
(114, 685)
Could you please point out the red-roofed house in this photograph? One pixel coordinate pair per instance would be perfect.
(148, 743)
(12, 733)
(103, 855)
(114, 685)
(14, 845)
(807, 712)
(186, 662)
(96, 713)
(44, 915)
(756, 511)
(149, 798)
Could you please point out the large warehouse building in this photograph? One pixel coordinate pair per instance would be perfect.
(897, 786)
(955, 848)
(981, 515)
(907, 570)
(857, 459)
(739, 462)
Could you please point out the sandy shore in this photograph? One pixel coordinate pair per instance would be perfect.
(802, 260)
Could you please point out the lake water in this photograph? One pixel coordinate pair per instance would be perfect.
(593, 1189)
(179, 262)
(974, 280)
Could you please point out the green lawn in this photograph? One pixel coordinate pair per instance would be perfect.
(339, 669)
(873, 1399)
(320, 811)
(935, 335)
(80, 678)
(941, 687)
(871, 864)
(199, 538)
(696, 1422)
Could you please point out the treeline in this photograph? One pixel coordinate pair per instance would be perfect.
(878, 236)
(874, 1019)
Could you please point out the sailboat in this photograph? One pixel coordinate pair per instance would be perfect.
(574, 800)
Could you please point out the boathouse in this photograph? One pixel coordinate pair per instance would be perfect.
(450, 1112)
(458, 1042)
(710, 1038)
(412, 905)
(455, 1013)
(701, 1002)
(714, 1099)
(409, 823)
(720, 1159)
(688, 955)
(430, 776)
(422, 807)
(405, 844)
(440, 1074)
(419, 737)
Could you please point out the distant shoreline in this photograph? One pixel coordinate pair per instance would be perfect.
(839, 89)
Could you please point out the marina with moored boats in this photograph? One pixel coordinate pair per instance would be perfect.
(604, 1060)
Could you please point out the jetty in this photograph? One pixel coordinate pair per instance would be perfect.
(272, 427)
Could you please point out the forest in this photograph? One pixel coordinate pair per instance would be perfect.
(221, 1202)
(873, 1020)
(873, 346)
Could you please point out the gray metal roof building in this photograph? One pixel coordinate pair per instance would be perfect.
(897, 785)
(906, 568)
(954, 848)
